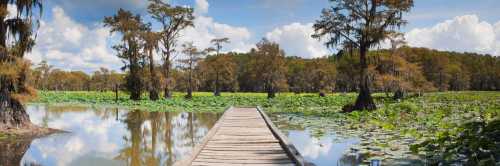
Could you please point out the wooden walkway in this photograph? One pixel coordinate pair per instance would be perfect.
(244, 136)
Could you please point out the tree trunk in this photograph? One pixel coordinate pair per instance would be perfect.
(322, 94)
(167, 93)
(12, 112)
(116, 93)
(134, 81)
(364, 100)
(153, 89)
(399, 94)
(270, 92)
(189, 94)
(217, 87)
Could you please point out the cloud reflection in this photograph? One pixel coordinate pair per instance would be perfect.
(115, 136)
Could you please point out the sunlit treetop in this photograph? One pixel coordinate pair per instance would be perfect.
(361, 22)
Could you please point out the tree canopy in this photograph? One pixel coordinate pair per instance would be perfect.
(361, 24)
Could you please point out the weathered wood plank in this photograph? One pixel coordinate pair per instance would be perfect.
(259, 161)
(242, 156)
(222, 164)
(243, 146)
(245, 142)
(287, 146)
(242, 136)
(236, 153)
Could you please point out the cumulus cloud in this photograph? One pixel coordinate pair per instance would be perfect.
(463, 33)
(88, 11)
(316, 148)
(201, 7)
(69, 45)
(110, 4)
(206, 29)
(296, 40)
(497, 39)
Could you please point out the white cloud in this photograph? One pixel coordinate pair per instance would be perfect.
(497, 39)
(315, 148)
(296, 40)
(206, 29)
(201, 7)
(463, 33)
(69, 45)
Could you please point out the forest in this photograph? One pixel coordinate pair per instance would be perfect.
(406, 68)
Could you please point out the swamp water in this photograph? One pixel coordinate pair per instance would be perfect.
(326, 141)
(111, 136)
(115, 136)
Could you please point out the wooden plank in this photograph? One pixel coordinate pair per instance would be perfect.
(241, 155)
(244, 145)
(245, 142)
(239, 137)
(226, 157)
(254, 152)
(236, 153)
(243, 148)
(242, 136)
(222, 164)
(288, 147)
(205, 140)
(258, 161)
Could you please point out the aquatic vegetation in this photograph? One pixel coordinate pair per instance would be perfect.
(385, 134)
(388, 133)
(204, 101)
(477, 143)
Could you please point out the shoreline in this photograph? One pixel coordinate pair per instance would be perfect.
(27, 133)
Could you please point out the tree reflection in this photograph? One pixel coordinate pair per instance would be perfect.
(168, 138)
(132, 154)
(180, 131)
(141, 137)
(12, 151)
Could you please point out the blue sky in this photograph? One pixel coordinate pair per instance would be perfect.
(455, 25)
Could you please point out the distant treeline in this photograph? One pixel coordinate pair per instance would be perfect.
(407, 69)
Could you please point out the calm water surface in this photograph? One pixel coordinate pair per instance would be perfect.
(325, 149)
(114, 136)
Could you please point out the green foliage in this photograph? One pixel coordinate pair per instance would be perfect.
(268, 67)
(130, 27)
(435, 124)
(476, 143)
(435, 121)
(205, 101)
(412, 73)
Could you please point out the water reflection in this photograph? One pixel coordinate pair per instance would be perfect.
(111, 136)
(319, 148)
(11, 153)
